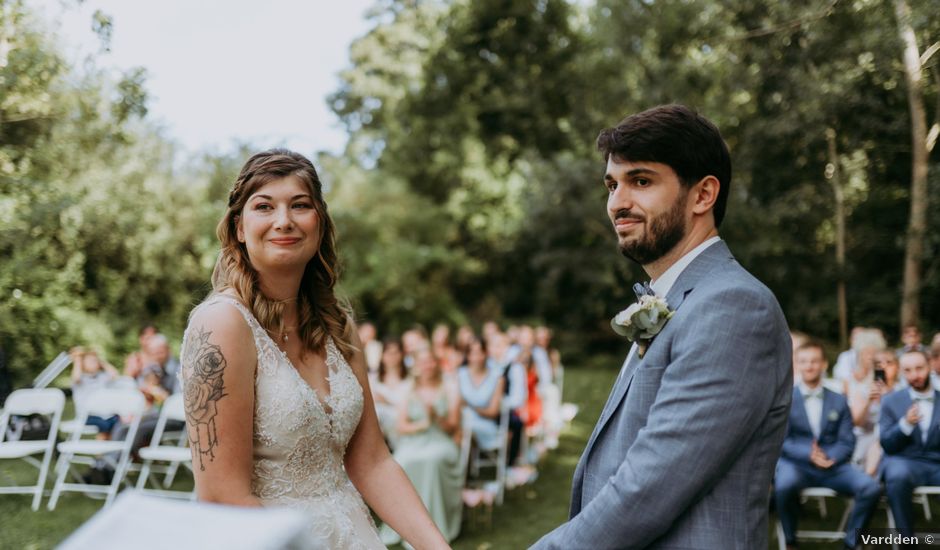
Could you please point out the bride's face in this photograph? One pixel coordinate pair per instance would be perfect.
(280, 226)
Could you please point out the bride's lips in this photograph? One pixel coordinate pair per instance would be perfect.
(285, 241)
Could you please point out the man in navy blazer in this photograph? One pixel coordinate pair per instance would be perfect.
(910, 437)
(817, 449)
(683, 453)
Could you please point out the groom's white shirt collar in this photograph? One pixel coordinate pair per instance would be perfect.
(663, 284)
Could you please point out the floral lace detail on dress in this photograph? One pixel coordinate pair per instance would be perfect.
(299, 443)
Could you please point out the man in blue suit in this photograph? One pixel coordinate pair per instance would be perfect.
(817, 449)
(684, 451)
(910, 437)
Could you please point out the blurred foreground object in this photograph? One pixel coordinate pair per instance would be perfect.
(129, 524)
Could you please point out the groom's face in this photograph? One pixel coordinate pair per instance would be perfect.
(647, 205)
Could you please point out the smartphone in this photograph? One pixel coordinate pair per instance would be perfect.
(880, 376)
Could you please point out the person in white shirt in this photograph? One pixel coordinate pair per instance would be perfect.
(910, 437)
(817, 449)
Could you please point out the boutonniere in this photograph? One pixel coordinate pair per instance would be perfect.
(833, 416)
(644, 319)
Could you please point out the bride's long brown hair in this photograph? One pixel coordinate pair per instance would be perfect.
(320, 313)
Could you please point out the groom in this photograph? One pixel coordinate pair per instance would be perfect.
(684, 451)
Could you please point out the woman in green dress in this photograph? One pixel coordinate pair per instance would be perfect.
(428, 421)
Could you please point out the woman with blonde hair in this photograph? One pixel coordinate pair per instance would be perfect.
(276, 388)
(864, 396)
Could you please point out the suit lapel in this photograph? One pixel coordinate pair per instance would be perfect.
(827, 406)
(799, 409)
(700, 266)
(933, 429)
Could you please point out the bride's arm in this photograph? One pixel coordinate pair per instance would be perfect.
(218, 366)
(380, 480)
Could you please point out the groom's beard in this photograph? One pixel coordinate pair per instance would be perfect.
(663, 233)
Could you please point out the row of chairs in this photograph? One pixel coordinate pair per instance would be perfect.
(921, 496)
(129, 405)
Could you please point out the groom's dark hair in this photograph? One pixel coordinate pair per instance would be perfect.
(678, 137)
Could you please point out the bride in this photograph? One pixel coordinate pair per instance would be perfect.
(277, 397)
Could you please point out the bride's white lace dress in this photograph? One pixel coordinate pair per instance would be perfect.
(299, 442)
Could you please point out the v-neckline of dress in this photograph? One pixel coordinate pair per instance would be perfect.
(324, 403)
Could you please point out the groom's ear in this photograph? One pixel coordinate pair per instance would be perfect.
(704, 194)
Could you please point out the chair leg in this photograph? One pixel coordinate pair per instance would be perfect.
(119, 472)
(170, 475)
(781, 538)
(925, 501)
(62, 468)
(144, 474)
(41, 484)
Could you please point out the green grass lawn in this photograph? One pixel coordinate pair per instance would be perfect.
(527, 513)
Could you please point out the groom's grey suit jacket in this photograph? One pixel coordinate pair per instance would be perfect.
(684, 451)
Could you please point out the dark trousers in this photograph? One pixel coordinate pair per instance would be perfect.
(902, 475)
(845, 479)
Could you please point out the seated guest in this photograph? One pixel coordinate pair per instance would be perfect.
(911, 340)
(90, 373)
(846, 361)
(515, 389)
(817, 449)
(481, 389)
(447, 356)
(390, 388)
(935, 362)
(532, 410)
(864, 396)
(910, 437)
(428, 420)
(797, 338)
(551, 393)
(159, 354)
(136, 361)
(371, 347)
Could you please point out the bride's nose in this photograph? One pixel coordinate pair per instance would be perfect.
(283, 221)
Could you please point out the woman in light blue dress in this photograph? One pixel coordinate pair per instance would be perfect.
(481, 388)
(428, 421)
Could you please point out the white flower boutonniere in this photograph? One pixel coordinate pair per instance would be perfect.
(644, 319)
(833, 416)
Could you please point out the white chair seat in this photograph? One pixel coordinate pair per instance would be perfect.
(170, 454)
(90, 447)
(69, 426)
(19, 449)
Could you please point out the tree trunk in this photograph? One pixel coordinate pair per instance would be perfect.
(917, 225)
(834, 175)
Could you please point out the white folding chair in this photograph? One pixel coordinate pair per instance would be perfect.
(173, 454)
(128, 404)
(836, 535)
(50, 402)
(921, 496)
(496, 457)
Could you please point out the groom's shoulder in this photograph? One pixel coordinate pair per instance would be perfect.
(732, 280)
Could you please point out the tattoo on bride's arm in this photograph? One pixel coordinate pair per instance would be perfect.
(202, 391)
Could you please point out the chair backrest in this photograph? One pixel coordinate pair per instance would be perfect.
(35, 401)
(172, 409)
(123, 383)
(52, 370)
(110, 401)
(45, 401)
